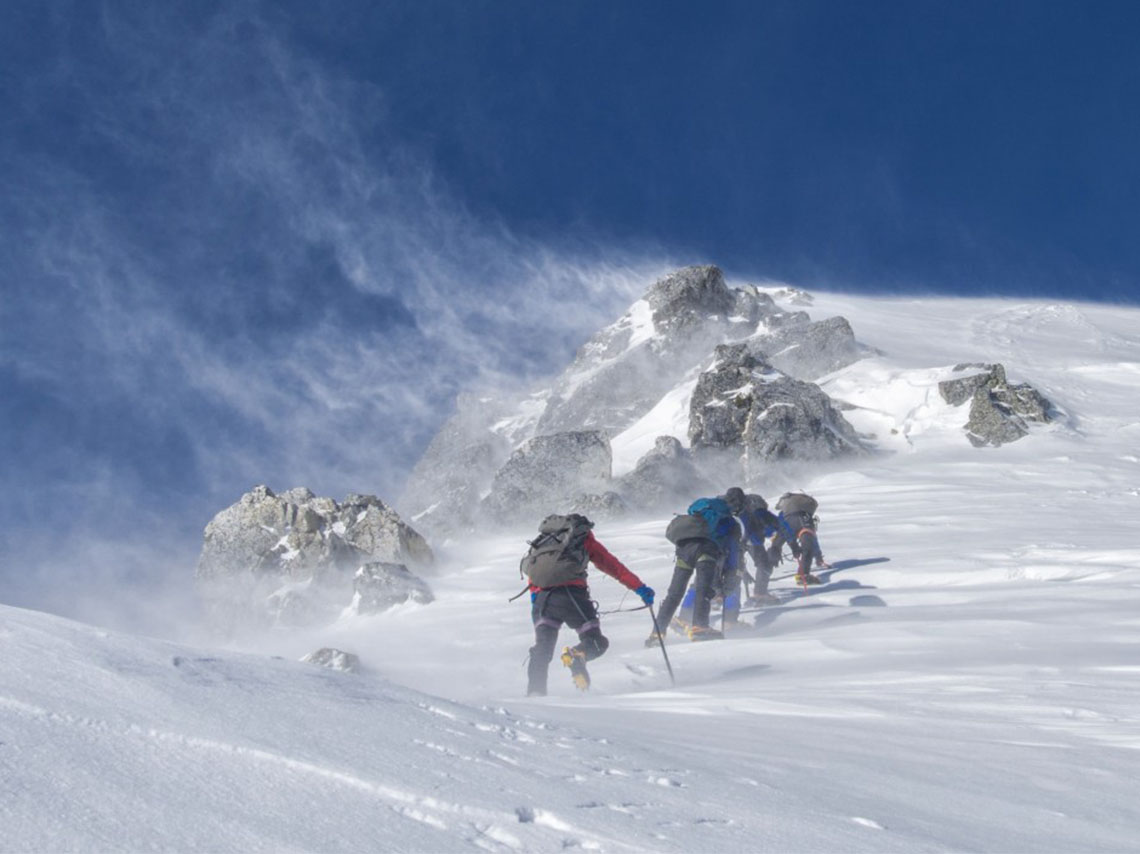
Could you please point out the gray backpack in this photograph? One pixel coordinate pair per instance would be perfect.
(687, 526)
(797, 502)
(557, 555)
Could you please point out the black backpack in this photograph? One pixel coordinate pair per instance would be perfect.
(557, 555)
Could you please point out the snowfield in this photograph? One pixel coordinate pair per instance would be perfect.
(968, 679)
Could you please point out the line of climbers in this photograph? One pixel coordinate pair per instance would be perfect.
(710, 539)
(736, 523)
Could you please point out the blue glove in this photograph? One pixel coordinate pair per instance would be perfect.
(646, 593)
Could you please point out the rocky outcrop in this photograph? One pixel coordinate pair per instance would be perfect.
(290, 558)
(743, 402)
(661, 476)
(999, 412)
(380, 586)
(333, 659)
(683, 301)
(620, 373)
(481, 467)
(548, 473)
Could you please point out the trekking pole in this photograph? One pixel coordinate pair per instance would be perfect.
(661, 640)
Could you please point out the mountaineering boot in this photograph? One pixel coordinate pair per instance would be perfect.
(704, 633)
(575, 659)
(801, 578)
(680, 626)
(654, 639)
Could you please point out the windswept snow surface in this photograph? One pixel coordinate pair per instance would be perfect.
(967, 680)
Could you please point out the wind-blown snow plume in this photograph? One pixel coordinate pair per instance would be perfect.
(266, 285)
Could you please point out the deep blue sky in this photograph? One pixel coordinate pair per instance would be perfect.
(269, 242)
(965, 147)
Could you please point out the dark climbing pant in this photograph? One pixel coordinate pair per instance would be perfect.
(727, 587)
(551, 608)
(763, 566)
(704, 558)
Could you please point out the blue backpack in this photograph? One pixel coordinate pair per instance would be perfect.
(712, 510)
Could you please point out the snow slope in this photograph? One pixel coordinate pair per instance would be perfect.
(967, 680)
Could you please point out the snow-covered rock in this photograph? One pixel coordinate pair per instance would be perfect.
(290, 558)
(795, 296)
(380, 586)
(621, 373)
(742, 402)
(333, 659)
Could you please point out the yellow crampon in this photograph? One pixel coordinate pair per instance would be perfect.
(703, 633)
(575, 659)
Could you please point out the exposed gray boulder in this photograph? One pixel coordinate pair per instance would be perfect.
(661, 476)
(999, 412)
(742, 402)
(380, 586)
(809, 350)
(290, 558)
(333, 659)
(684, 300)
(549, 472)
(958, 391)
(377, 530)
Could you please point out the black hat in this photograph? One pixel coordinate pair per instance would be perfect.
(734, 498)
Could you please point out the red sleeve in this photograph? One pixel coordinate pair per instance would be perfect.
(609, 564)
